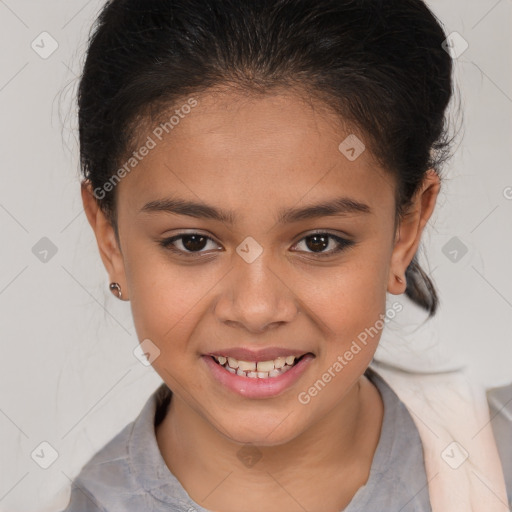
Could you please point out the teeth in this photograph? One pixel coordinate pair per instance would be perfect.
(246, 366)
(265, 366)
(279, 362)
(257, 370)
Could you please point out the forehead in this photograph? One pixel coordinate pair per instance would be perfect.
(235, 145)
(238, 123)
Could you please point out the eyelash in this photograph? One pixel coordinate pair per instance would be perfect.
(343, 244)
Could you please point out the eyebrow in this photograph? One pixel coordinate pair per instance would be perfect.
(339, 206)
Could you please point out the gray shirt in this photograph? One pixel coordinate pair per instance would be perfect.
(129, 473)
(500, 407)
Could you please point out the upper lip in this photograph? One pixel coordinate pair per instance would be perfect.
(265, 354)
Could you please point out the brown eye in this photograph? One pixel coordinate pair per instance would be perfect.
(317, 243)
(187, 244)
(194, 242)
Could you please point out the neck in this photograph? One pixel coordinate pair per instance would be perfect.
(326, 463)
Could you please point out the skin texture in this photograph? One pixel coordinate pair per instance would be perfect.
(255, 156)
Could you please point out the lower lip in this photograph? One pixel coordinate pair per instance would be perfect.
(258, 388)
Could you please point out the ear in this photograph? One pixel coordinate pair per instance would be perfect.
(410, 229)
(108, 245)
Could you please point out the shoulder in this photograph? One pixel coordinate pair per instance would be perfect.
(110, 480)
(500, 408)
(398, 465)
(448, 403)
(103, 476)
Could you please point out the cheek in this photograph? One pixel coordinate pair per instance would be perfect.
(167, 300)
(351, 297)
(350, 307)
(166, 307)
(350, 303)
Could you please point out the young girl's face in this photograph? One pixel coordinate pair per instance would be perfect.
(254, 282)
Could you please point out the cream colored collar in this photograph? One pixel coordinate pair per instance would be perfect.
(463, 467)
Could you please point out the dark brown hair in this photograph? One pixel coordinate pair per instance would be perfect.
(379, 64)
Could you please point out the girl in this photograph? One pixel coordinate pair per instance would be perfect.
(258, 175)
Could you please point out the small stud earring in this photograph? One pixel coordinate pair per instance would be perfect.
(115, 288)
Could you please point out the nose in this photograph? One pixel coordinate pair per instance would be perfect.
(256, 297)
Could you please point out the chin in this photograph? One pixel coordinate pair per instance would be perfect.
(270, 431)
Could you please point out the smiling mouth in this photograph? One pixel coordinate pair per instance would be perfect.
(260, 369)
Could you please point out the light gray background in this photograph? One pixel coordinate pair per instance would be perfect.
(69, 376)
